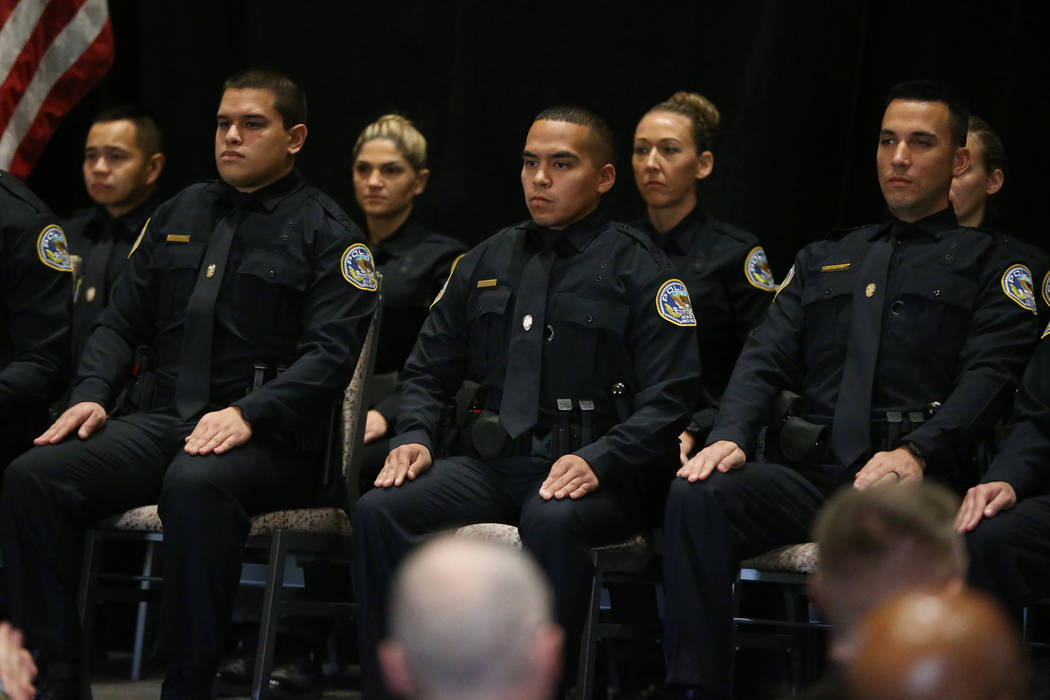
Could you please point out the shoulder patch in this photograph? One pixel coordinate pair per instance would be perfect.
(673, 305)
(1046, 331)
(1046, 287)
(138, 241)
(441, 292)
(358, 268)
(52, 249)
(756, 269)
(787, 280)
(1017, 285)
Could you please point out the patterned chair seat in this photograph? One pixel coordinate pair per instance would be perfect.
(508, 535)
(333, 520)
(794, 558)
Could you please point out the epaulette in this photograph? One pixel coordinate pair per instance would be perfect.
(331, 208)
(839, 233)
(640, 236)
(735, 232)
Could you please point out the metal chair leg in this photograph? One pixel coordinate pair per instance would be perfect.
(589, 641)
(140, 618)
(269, 618)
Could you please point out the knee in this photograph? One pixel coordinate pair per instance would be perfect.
(988, 539)
(550, 521)
(685, 495)
(186, 482)
(25, 472)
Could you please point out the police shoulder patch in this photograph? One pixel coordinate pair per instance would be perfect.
(1046, 331)
(138, 241)
(52, 249)
(787, 280)
(1017, 285)
(673, 305)
(358, 268)
(757, 272)
(452, 269)
(1046, 287)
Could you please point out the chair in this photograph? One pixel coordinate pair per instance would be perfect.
(633, 561)
(323, 533)
(788, 568)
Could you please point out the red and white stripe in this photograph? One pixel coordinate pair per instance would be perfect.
(52, 52)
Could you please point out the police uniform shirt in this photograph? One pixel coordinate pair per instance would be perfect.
(297, 293)
(613, 314)
(102, 244)
(34, 318)
(957, 327)
(729, 282)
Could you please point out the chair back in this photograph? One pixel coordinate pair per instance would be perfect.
(354, 407)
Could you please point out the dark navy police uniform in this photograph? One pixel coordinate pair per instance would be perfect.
(956, 325)
(613, 315)
(297, 292)
(36, 289)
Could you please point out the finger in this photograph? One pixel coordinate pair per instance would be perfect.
(683, 455)
(564, 480)
(229, 443)
(416, 465)
(976, 510)
(94, 419)
(582, 490)
(963, 515)
(1001, 501)
(568, 487)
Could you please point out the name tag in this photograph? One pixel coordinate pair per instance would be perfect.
(834, 268)
(487, 283)
(173, 238)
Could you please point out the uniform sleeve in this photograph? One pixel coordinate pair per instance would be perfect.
(666, 367)
(38, 299)
(991, 362)
(336, 314)
(435, 368)
(770, 362)
(749, 298)
(125, 323)
(1024, 459)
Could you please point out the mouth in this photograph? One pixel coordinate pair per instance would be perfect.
(899, 181)
(231, 155)
(539, 200)
(653, 184)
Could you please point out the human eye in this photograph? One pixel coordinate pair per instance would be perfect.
(528, 162)
(253, 124)
(362, 168)
(222, 124)
(670, 149)
(392, 170)
(640, 149)
(562, 164)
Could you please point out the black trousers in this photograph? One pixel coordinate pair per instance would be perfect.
(1010, 554)
(388, 522)
(52, 494)
(710, 526)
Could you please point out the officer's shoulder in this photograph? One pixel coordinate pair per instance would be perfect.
(633, 239)
(430, 239)
(21, 200)
(329, 208)
(844, 232)
(733, 233)
(186, 202)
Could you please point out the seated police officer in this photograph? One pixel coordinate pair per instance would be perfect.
(902, 341)
(1006, 517)
(569, 351)
(123, 159)
(34, 314)
(260, 269)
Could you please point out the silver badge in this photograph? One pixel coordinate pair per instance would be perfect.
(211, 272)
(90, 295)
(526, 321)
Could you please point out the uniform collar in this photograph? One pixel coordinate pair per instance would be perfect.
(680, 237)
(405, 237)
(127, 226)
(935, 225)
(266, 198)
(569, 240)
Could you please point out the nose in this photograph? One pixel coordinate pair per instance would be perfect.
(232, 134)
(540, 178)
(374, 178)
(650, 160)
(901, 156)
(100, 165)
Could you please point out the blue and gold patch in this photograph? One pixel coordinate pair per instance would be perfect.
(452, 269)
(1017, 285)
(1046, 287)
(53, 250)
(672, 303)
(787, 280)
(757, 272)
(358, 267)
(1046, 331)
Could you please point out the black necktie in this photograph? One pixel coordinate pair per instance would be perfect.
(194, 382)
(851, 425)
(521, 385)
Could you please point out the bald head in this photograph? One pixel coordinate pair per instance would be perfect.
(925, 646)
(471, 619)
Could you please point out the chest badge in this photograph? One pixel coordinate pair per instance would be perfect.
(757, 271)
(89, 295)
(673, 304)
(358, 267)
(211, 271)
(526, 322)
(869, 291)
(52, 249)
(1017, 285)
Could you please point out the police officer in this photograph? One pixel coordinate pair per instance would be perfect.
(723, 266)
(568, 348)
(123, 158)
(34, 317)
(1006, 517)
(873, 330)
(261, 269)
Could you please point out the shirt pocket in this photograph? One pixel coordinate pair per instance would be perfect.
(826, 301)
(931, 313)
(173, 269)
(487, 319)
(265, 295)
(587, 339)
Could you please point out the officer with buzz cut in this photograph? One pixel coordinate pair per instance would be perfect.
(568, 348)
(901, 343)
(36, 285)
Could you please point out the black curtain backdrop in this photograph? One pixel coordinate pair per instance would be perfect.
(800, 85)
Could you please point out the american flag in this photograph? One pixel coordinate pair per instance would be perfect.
(52, 52)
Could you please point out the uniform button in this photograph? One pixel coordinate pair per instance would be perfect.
(548, 333)
(590, 318)
(284, 236)
(605, 265)
(897, 307)
(271, 272)
(598, 278)
(827, 291)
(936, 292)
(948, 257)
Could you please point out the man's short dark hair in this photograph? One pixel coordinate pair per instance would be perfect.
(934, 91)
(601, 142)
(147, 133)
(288, 98)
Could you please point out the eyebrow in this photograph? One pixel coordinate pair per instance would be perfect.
(242, 116)
(562, 155)
(891, 132)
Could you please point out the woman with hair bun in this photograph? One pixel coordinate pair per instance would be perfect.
(723, 266)
(390, 171)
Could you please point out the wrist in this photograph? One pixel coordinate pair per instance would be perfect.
(916, 452)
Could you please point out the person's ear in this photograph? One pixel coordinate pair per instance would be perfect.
(960, 161)
(296, 138)
(422, 178)
(606, 178)
(154, 166)
(395, 670)
(705, 164)
(995, 182)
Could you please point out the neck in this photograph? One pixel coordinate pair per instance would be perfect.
(382, 227)
(118, 210)
(666, 218)
(910, 216)
(254, 188)
(973, 218)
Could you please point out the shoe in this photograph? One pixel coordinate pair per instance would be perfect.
(181, 683)
(234, 677)
(298, 679)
